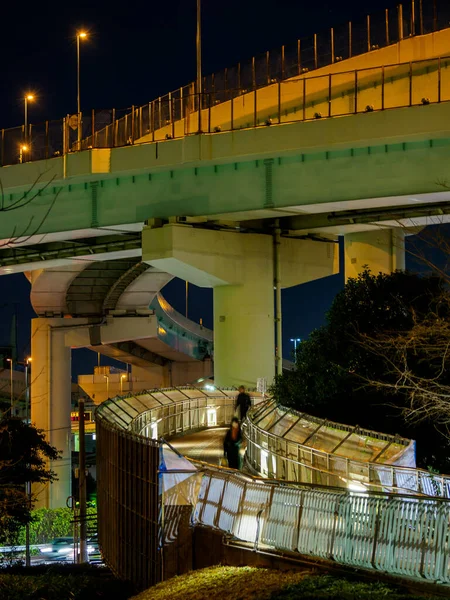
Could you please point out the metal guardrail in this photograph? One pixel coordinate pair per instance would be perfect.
(177, 114)
(397, 534)
(281, 457)
(400, 535)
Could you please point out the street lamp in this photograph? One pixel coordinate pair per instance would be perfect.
(23, 150)
(295, 342)
(27, 388)
(122, 377)
(10, 360)
(199, 63)
(107, 385)
(80, 35)
(27, 98)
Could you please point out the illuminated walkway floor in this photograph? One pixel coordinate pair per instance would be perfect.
(204, 445)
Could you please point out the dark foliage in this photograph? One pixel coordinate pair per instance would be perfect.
(23, 455)
(334, 366)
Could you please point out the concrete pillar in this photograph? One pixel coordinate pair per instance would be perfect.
(382, 251)
(244, 330)
(240, 268)
(51, 404)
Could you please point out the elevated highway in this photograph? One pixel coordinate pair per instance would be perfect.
(246, 193)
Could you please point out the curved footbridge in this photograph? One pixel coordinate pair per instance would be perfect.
(324, 489)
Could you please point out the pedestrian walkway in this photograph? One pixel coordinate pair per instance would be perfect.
(206, 445)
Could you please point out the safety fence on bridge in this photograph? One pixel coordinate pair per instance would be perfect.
(268, 89)
(285, 444)
(400, 535)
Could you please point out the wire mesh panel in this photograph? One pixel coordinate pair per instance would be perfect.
(127, 484)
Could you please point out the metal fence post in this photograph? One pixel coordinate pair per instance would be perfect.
(253, 73)
(382, 88)
(413, 17)
(316, 62)
(255, 120)
(421, 16)
(386, 22)
(332, 45)
(2, 149)
(93, 128)
(268, 66)
(356, 91)
(350, 40)
(329, 94)
(435, 15)
(279, 102)
(369, 45)
(283, 70)
(299, 62)
(304, 98)
(400, 21)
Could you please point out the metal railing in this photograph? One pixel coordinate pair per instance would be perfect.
(283, 457)
(177, 114)
(400, 535)
(397, 534)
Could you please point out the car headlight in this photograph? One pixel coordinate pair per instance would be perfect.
(47, 549)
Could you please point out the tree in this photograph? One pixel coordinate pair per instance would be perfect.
(23, 455)
(418, 359)
(336, 368)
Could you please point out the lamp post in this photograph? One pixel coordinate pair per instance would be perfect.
(199, 63)
(107, 385)
(122, 377)
(80, 35)
(27, 389)
(27, 98)
(295, 342)
(28, 484)
(10, 360)
(23, 150)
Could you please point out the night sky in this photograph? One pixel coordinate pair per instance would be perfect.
(136, 52)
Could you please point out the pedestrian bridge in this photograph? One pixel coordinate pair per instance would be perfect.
(373, 512)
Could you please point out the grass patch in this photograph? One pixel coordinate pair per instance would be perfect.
(62, 582)
(232, 583)
(252, 583)
(325, 587)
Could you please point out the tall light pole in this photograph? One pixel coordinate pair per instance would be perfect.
(27, 389)
(122, 377)
(80, 35)
(10, 360)
(199, 63)
(295, 342)
(28, 484)
(27, 98)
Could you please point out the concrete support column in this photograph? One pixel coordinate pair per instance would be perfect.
(382, 251)
(240, 268)
(51, 404)
(244, 331)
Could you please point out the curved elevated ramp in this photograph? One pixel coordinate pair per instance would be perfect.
(391, 533)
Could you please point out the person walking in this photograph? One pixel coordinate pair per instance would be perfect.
(232, 444)
(243, 402)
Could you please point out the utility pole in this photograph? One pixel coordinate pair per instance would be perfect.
(83, 556)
